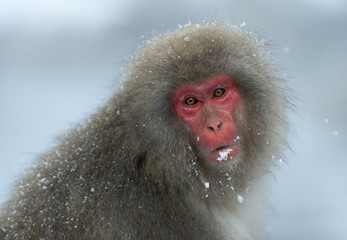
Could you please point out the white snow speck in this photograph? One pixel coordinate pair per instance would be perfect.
(43, 180)
(240, 198)
(92, 189)
(186, 38)
(223, 155)
(189, 23)
(243, 24)
(280, 161)
(118, 112)
(197, 139)
(286, 49)
(326, 120)
(57, 152)
(207, 185)
(335, 133)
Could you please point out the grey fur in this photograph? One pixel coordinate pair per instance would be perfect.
(133, 171)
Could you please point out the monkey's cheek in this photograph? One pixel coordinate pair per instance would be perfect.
(224, 155)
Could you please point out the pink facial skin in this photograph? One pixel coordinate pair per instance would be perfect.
(209, 109)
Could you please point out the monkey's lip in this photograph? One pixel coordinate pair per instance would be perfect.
(224, 147)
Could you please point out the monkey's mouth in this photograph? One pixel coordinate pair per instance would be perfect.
(224, 153)
(224, 147)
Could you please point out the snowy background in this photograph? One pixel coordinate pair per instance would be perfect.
(60, 60)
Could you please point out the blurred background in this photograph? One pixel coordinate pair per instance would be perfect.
(60, 60)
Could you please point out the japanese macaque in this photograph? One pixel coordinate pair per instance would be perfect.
(180, 152)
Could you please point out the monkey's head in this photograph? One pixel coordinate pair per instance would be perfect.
(211, 106)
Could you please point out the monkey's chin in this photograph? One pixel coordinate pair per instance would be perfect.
(224, 154)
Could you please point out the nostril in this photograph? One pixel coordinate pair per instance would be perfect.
(215, 126)
(211, 128)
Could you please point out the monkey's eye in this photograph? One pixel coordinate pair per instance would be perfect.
(219, 92)
(190, 101)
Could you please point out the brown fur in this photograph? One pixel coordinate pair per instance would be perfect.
(133, 170)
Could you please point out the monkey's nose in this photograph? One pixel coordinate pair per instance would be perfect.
(214, 126)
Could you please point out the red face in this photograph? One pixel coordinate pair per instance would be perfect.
(209, 109)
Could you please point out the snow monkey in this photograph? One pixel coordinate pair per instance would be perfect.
(180, 152)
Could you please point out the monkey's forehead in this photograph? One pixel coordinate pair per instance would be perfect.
(196, 53)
